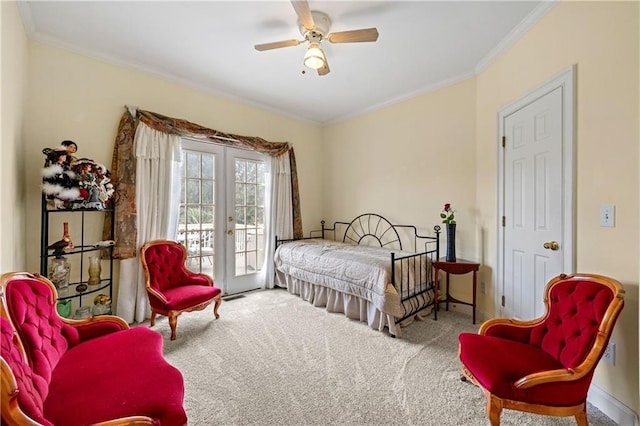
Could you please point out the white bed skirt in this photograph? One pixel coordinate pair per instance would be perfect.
(351, 306)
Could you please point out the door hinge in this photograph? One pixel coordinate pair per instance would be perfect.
(504, 221)
(504, 141)
(503, 301)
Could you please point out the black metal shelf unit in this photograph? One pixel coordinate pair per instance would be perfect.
(78, 287)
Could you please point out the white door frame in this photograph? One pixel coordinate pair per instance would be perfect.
(566, 81)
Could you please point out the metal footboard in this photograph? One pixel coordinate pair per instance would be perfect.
(413, 276)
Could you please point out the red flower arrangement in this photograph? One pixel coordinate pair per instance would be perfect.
(447, 214)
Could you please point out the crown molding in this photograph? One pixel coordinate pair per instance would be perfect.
(516, 33)
(407, 96)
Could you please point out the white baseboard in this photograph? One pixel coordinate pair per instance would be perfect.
(611, 407)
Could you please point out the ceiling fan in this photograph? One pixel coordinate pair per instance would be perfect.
(314, 27)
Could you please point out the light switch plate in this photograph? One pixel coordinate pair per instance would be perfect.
(607, 215)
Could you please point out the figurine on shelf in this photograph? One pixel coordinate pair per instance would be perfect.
(69, 182)
(65, 244)
(59, 183)
(71, 148)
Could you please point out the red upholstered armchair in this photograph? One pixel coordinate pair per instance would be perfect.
(171, 287)
(57, 371)
(545, 366)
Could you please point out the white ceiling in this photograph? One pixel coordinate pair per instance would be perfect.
(423, 45)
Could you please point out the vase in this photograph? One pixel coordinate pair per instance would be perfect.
(64, 308)
(95, 268)
(59, 271)
(451, 242)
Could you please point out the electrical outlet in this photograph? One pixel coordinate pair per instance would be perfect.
(483, 287)
(609, 355)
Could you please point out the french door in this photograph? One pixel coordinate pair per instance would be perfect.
(222, 214)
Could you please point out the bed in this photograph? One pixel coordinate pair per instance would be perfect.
(368, 269)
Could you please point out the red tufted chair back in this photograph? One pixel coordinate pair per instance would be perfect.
(31, 304)
(575, 311)
(165, 263)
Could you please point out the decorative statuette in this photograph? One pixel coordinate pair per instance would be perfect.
(95, 268)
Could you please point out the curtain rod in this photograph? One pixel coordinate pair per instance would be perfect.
(226, 139)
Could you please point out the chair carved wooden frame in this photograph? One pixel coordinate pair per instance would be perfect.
(171, 287)
(545, 365)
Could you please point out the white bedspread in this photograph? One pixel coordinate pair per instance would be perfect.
(360, 271)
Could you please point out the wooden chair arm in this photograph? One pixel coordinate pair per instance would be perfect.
(205, 276)
(551, 376)
(566, 374)
(97, 319)
(156, 294)
(508, 322)
(128, 421)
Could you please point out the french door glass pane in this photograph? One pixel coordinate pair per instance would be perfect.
(249, 209)
(196, 229)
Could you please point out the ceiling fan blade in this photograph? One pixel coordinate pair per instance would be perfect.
(304, 13)
(324, 70)
(276, 44)
(354, 36)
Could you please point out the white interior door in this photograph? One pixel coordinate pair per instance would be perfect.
(536, 199)
(221, 220)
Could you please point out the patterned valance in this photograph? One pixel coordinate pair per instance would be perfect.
(123, 169)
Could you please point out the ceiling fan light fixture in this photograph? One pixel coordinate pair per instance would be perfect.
(314, 57)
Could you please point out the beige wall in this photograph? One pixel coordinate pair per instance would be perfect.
(602, 39)
(75, 97)
(14, 80)
(405, 162)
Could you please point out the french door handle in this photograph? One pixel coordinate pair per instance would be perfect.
(551, 245)
(230, 232)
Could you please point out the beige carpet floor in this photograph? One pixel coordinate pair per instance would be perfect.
(274, 359)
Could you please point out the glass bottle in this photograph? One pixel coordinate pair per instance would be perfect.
(59, 271)
(66, 237)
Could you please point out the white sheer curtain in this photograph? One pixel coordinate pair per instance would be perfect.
(157, 195)
(280, 219)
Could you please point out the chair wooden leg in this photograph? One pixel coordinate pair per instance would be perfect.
(218, 302)
(494, 409)
(153, 318)
(173, 322)
(581, 417)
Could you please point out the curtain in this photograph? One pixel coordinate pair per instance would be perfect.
(280, 210)
(124, 178)
(157, 193)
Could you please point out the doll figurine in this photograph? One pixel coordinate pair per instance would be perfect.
(58, 182)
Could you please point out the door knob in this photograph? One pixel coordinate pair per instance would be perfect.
(552, 245)
(230, 232)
